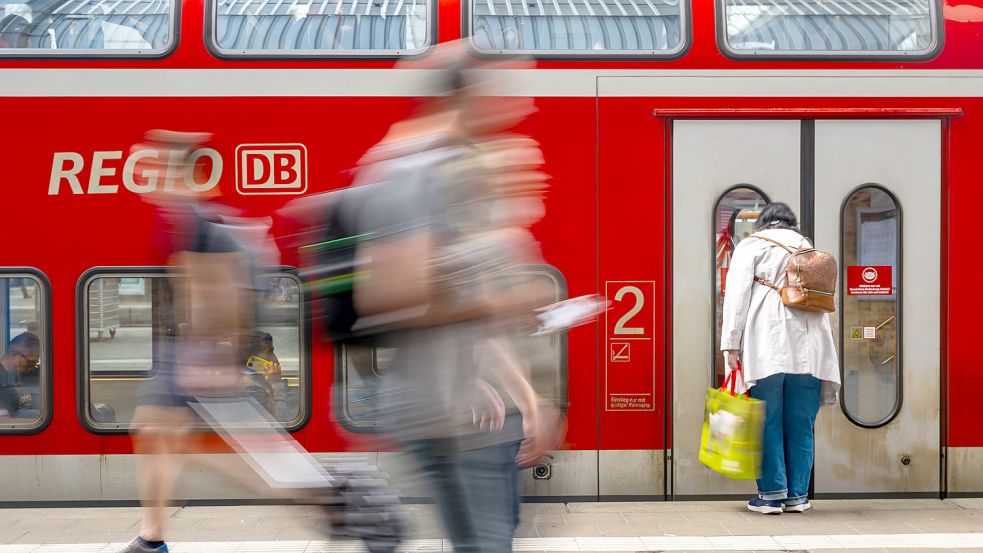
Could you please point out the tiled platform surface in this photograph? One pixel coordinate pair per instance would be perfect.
(853, 525)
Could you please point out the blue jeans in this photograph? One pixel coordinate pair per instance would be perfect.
(476, 492)
(787, 452)
(492, 486)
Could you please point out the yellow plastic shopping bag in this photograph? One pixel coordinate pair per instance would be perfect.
(732, 429)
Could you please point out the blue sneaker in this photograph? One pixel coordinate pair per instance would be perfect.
(764, 506)
(798, 508)
(140, 545)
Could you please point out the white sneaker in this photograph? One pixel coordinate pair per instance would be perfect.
(801, 507)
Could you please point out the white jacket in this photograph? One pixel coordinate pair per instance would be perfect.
(773, 338)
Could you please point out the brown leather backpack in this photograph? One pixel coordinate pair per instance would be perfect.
(810, 279)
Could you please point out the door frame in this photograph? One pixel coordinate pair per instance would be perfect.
(807, 184)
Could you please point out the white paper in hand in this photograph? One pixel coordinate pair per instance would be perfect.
(570, 313)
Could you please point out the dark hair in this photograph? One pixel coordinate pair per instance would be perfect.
(25, 343)
(451, 84)
(259, 342)
(776, 215)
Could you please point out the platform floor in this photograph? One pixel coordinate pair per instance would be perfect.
(854, 525)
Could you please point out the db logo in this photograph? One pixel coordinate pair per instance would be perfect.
(869, 275)
(271, 168)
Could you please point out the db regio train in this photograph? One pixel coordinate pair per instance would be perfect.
(666, 125)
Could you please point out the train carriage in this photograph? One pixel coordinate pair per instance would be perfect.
(665, 124)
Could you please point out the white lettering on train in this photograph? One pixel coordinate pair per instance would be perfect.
(66, 167)
(149, 175)
(98, 172)
(59, 173)
(189, 175)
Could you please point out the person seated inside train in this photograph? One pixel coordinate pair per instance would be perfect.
(20, 378)
(263, 372)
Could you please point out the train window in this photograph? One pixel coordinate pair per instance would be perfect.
(811, 28)
(343, 28)
(124, 28)
(579, 27)
(733, 220)
(25, 351)
(870, 310)
(358, 367)
(129, 324)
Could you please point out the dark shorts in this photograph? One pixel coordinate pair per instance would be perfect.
(162, 388)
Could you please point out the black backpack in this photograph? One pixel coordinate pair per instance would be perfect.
(329, 273)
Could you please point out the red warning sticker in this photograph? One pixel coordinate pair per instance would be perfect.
(870, 280)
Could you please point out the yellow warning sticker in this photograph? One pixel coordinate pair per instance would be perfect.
(856, 333)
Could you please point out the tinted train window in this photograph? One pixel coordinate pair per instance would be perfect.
(87, 27)
(734, 217)
(359, 393)
(25, 352)
(579, 27)
(903, 28)
(870, 317)
(320, 27)
(130, 322)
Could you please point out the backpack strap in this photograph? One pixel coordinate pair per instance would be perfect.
(775, 242)
(760, 280)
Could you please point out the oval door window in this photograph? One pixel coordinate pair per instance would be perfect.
(734, 217)
(870, 311)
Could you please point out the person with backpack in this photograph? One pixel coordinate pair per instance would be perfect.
(775, 331)
(427, 285)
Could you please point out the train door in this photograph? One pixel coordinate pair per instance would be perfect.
(878, 206)
(849, 182)
(717, 189)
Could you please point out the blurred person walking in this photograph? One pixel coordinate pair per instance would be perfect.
(212, 349)
(430, 288)
(201, 352)
(786, 356)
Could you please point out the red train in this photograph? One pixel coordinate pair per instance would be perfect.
(666, 124)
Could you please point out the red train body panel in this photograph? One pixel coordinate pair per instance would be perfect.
(609, 211)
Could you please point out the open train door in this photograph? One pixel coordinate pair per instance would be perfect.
(870, 192)
(723, 173)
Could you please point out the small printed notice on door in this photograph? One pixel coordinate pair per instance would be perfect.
(870, 280)
(629, 361)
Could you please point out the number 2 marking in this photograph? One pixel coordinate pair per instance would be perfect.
(620, 327)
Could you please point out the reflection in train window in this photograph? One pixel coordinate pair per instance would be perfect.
(90, 27)
(130, 322)
(361, 366)
(25, 366)
(734, 217)
(816, 27)
(870, 315)
(321, 27)
(580, 27)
